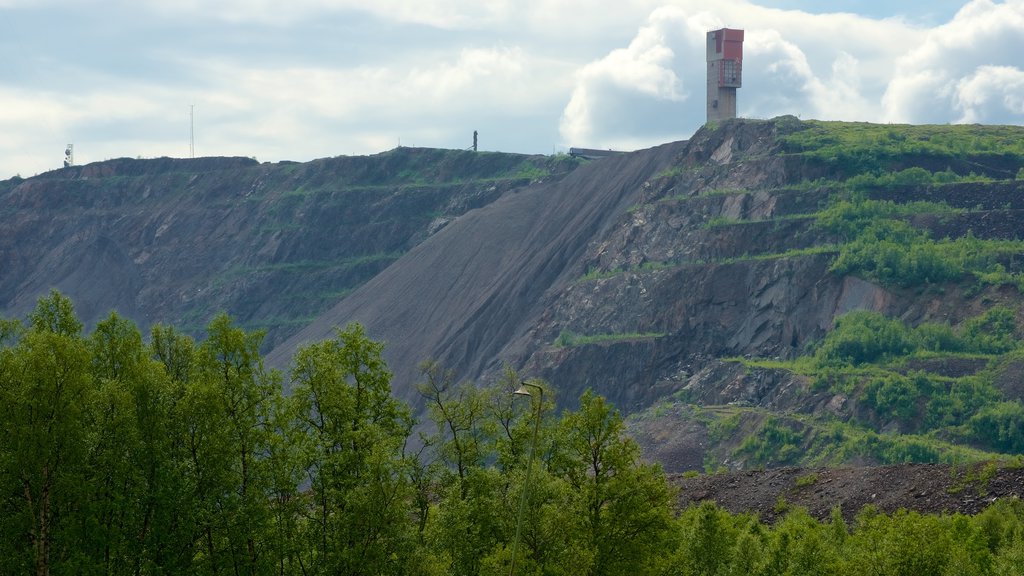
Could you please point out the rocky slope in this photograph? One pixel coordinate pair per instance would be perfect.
(479, 287)
(652, 277)
(176, 241)
(753, 287)
(626, 284)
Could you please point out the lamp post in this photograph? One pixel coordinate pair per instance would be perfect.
(524, 391)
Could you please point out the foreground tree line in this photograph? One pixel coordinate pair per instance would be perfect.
(121, 456)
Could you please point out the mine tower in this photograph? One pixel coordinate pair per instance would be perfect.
(725, 72)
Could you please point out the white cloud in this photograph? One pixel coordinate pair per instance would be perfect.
(929, 82)
(437, 101)
(641, 74)
(781, 80)
(443, 14)
(826, 66)
(989, 91)
(778, 76)
(323, 77)
(496, 74)
(45, 122)
(471, 79)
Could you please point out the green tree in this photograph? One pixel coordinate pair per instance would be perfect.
(968, 553)
(800, 545)
(352, 432)
(904, 544)
(467, 524)
(45, 393)
(707, 540)
(112, 515)
(227, 408)
(937, 337)
(863, 336)
(464, 420)
(895, 396)
(992, 332)
(777, 443)
(999, 426)
(1009, 557)
(551, 537)
(176, 351)
(623, 504)
(894, 252)
(748, 553)
(172, 445)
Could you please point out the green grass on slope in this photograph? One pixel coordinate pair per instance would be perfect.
(864, 142)
(567, 339)
(894, 414)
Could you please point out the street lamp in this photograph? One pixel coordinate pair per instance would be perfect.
(524, 391)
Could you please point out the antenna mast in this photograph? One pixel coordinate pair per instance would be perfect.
(69, 156)
(192, 130)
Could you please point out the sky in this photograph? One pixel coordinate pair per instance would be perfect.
(309, 79)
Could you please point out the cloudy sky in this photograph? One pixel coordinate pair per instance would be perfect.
(307, 79)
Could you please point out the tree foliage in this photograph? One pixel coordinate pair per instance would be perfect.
(351, 433)
(863, 336)
(122, 456)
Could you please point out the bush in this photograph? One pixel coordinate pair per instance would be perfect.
(807, 480)
(999, 426)
(775, 444)
(895, 395)
(846, 218)
(895, 449)
(864, 336)
(937, 337)
(566, 339)
(945, 177)
(965, 397)
(992, 332)
(894, 252)
(912, 176)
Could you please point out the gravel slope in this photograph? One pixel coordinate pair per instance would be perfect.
(465, 293)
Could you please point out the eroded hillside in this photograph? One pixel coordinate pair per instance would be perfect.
(697, 285)
(176, 241)
(713, 294)
(694, 285)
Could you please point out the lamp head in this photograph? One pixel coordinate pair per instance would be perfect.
(523, 391)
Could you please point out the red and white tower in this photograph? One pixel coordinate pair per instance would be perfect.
(725, 72)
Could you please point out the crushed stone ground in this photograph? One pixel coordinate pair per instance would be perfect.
(925, 488)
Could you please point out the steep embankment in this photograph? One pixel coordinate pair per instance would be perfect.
(484, 280)
(697, 285)
(721, 310)
(176, 241)
(689, 284)
(723, 257)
